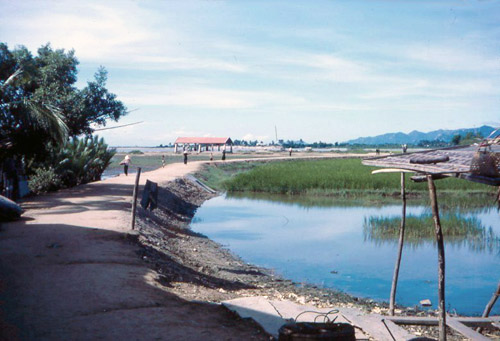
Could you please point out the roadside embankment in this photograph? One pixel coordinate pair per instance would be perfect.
(197, 268)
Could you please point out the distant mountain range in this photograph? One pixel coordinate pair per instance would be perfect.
(416, 136)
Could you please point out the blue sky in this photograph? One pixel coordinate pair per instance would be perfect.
(318, 70)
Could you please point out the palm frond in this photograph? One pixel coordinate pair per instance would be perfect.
(49, 118)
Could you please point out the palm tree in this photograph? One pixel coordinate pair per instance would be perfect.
(38, 115)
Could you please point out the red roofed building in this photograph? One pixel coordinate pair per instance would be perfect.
(201, 143)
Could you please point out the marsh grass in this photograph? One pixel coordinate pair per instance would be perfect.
(339, 176)
(215, 175)
(458, 230)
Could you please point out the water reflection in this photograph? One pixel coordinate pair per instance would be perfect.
(459, 231)
(344, 244)
(470, 202)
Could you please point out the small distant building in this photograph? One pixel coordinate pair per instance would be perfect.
(203, 143)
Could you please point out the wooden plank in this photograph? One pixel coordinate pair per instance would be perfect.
(464, 330)
(416, 320)
(474, 320)
(432, 321)
(397, 332)
(392, 170)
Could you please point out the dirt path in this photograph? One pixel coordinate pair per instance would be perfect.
(67, 271)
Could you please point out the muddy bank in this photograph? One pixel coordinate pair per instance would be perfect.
(197, 268)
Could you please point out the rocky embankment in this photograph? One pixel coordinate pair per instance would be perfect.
(197, 268)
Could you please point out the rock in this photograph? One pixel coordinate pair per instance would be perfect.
(9, 210)
(426, 303)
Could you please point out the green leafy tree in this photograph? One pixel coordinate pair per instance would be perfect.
(456, 139)
(40, 105)
(26, 123)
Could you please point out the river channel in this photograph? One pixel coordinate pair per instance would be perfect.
(345, 247)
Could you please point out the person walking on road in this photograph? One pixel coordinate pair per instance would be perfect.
(185, 157)
(125, 162)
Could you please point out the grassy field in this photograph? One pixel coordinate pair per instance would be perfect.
(334, 176)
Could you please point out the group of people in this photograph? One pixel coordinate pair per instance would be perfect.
(127, 161)
(185, 153)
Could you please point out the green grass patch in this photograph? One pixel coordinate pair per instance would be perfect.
(215, 175)
(334, 176)
(420, 229)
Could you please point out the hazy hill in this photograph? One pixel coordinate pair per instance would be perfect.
(416, 136)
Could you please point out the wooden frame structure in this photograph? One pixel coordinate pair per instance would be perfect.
(469, 163)
(204, 143)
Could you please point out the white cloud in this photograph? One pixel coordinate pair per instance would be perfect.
(205, 97)
(252, 137)
(453, 58)
(331, 67)
(123, 34)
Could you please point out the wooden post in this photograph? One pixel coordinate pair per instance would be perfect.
(492, 301)
(134, 197)
(400, 249)
(441, 259)
(490, 305)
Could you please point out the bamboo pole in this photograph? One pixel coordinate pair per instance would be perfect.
(134, 197)
(489, 306)
(441, 258)
(492, 301)
(400, 249)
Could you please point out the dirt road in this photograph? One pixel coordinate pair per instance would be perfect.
(67, 271)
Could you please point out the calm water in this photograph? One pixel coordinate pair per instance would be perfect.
(329, 246)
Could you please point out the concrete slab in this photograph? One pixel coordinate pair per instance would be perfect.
(260, 310)
(272, 314)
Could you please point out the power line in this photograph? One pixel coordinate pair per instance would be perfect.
(125, 125)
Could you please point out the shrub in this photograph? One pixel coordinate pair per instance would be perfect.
(79, 161)
(44, 180)
(83, 160)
